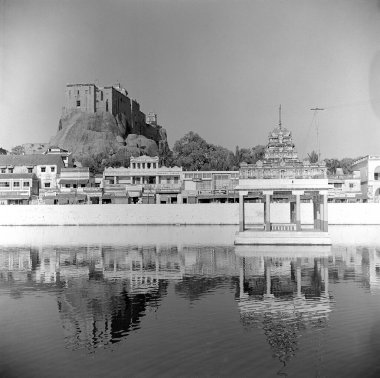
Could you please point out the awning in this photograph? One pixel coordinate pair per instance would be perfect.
(78, 197)
(14, 197)
(134, 194)
(73, 181)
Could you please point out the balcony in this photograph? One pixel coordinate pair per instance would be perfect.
(163, 188)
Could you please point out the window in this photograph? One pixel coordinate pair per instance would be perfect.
(52, 169)
(16, 184)
(376, 175)
(26, 184)
(82, 185)
(74, 186)
(101, 95)
(351, 185)
(78, 103)
(47, 184)
(337, 185)
(4, 184)
(67, 186)
(43, 169)
(30, 170)
(2, 170)
(10, 170)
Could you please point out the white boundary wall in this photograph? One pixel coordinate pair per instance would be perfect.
(186, 214)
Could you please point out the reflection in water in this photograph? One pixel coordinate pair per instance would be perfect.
(104, 291)
(283, 295)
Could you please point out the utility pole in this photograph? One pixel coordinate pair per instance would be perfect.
(316, 110)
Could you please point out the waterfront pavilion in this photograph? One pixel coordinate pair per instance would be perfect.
(292, 191)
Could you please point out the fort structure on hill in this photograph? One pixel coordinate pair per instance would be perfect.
(91, 98)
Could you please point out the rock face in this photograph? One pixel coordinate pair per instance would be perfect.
(87, 134)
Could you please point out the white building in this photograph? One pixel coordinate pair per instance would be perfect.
(369, 167)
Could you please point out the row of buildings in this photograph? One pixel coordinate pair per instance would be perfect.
(51, 178)
(47, 179)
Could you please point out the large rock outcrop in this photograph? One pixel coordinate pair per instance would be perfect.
(90, 134)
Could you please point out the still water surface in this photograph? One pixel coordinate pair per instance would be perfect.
(184, 302)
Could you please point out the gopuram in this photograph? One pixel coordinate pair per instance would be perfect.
(282, 177)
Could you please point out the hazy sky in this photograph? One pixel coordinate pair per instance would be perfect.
(219, 68)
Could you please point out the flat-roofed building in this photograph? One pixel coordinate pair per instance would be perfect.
(344, 188)
(45, 167)
(210, 186)
(369, 168)
(18, 188)
(145, 181)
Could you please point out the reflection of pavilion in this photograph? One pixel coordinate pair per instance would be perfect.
(283, 294)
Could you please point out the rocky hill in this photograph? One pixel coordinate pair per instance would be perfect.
(86, 134)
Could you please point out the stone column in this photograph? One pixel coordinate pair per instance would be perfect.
(321, 214)
(298, 212)
(267, 210)
(325, 214)
(314, 213)
(241, 212)
(158, 199)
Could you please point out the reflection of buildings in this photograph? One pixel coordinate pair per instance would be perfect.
(103, 292)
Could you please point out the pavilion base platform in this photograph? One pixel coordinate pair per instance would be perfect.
(255, 237)
(283, 251)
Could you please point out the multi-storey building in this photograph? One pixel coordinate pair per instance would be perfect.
(65, 155)
(209, 186)
(45, 167)
(144, 180)
(18, 188)
(344, 188)
(369, 167)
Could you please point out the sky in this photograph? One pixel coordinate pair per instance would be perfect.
(218, 68)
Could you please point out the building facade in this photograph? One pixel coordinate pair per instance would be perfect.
(144, 181)
(369, 168)
(345, 188)
(18, 188)
(45, 167)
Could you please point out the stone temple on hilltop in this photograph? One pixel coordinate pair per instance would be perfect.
(282, 177)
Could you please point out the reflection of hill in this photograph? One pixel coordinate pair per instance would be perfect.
(102, 313)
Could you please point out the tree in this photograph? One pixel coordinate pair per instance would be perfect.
(249, 155)
(332, 165)
(313, 157)
(18, 150)
(345, 164)
(3, 151)
(190, 152)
